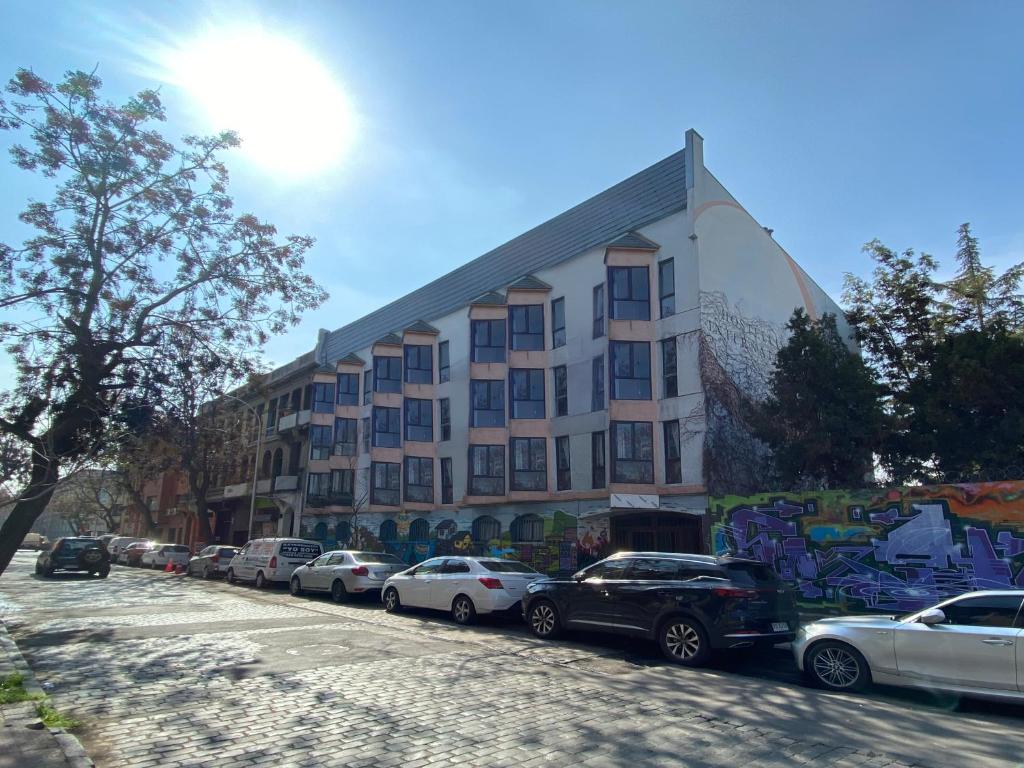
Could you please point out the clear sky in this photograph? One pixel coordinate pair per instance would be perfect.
(471, 122)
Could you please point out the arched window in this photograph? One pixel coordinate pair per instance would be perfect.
(343, 532)
(419, 530)
(486, 528)
(446, 529)
(527, 529)
(389, 531)
(278, 463)
(320, 531)
(265, 470)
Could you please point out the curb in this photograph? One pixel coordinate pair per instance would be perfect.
(74, 752)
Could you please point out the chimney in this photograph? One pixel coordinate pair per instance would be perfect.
(694, 156)
(321, 342)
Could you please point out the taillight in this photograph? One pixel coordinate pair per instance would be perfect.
(273, 562)
(215, 559)
(490, 582)
(734, 592)
(360, 570)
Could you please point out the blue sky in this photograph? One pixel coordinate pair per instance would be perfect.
(833, 124)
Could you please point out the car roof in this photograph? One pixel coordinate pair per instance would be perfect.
(670, 555)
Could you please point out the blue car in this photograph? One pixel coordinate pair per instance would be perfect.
(75, 553)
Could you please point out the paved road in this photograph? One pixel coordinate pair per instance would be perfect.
(169, 671)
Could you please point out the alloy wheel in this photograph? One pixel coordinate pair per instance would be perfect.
(542, 620)
(837, 667)
(391, 600)
(462, 611)
(682, 641)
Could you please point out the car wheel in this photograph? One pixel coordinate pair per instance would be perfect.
(103, 572)
(463, 610)
(338, 592)
(295, 586)
(39, 570)
(231, 576)
(392, 604)
(47, 572)
(543, 620)
(261, 580)
(206, 572)
(837, 666)
(685, 642)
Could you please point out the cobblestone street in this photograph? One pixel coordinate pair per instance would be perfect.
(168, 671)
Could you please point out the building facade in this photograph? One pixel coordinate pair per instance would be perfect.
(574, 391)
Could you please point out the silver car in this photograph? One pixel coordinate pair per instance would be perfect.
(211, 561)
(972, 645)
(345, 572)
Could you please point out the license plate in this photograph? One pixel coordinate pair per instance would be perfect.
(780, 626)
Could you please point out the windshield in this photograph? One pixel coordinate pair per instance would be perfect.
(506, 566)
(377, 557)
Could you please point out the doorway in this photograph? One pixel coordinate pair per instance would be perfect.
(657, 532)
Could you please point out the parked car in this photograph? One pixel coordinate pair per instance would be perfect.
(160, 554)
(971, 645)
(265, 561)
(211, 561)
(345, 572)
(106, 538)
(117, 545)
(464, 586)
(691, 604)
(35, 541)
(132, 554)
(75, 553)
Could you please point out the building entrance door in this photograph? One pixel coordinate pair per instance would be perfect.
(657, 532)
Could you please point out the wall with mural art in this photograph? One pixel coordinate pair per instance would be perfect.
(891, 550)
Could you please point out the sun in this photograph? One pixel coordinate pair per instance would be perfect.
(292, 114)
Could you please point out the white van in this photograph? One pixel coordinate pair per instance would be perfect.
(269, 560)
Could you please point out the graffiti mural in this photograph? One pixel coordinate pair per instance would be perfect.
(890, 550)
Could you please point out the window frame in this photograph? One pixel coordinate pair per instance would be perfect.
(669, 369)
(398, 433)
(444, 363)
(323, 397)
(638, 304)
(663, 295)
(598, 392)
(673, 463)
(599, 311)
(444, 421)
(388, 383)
(349, 396)
(389, 467)
(320, 448)
(346, 424)
(534, 376)
(447, 480)
(636, 452)
(366, 424)
(558, 322)
(532, 339)
(563, 468)
(536, 455)
(368, 386)
(487, 387)
(494, 456)
(598, 460)
(498, 351)
(534, 529)
(414, 406)
(337, 494)
(418, 374)
(561, 395)
(425, 494)
(636, 363)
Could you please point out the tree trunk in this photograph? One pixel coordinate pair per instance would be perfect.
(30, 505)
(203, 531)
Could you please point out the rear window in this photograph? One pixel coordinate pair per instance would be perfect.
(178, 548)
(377, 557)
(77, 544)
(751, 575)
(506, 566)
(226, 552)
(300, 549)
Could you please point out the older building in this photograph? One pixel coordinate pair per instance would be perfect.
(575, 389)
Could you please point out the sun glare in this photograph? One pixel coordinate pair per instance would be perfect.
(291, 113)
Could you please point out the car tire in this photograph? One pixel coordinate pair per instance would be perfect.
(684, 641)
(837, 666)
(103, 572)
(231, 576)
(206, 572)
(339, 593)
(295, 586)
(48, 571)
(39, 570)
(261, 580)
(463, 610)
(543, 620)
(392, 602)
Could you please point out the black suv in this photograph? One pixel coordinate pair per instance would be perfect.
(691, 604)
(75, 553)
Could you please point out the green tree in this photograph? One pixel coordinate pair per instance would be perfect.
(977, 297)
(139, 239)
(823, 415)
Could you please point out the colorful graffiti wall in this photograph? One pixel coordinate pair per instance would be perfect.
(890, 551)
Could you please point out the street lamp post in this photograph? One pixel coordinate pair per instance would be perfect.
(256, 459)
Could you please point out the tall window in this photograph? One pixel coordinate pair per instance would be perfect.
(599, 311)
(485, 528)
(387, 427)
(667, 287)
(444, 405)
(444, 366)
(272, 417)
(527, 529)
(598, 474)
(597, 384)
(563, 470)
(673, 462)
(419, 479)
(447, 482)
(529, 464)
(321, 439)
(526, 386)
(487, 399)
(632, 452)
(348, 389)
(527, 326)
(386, 487)
(558, 323)
(323, 397)
(419, 420)
(278, 463)
(488, 341)
(669, 371)
(318, 488)
(366, 434)
(342, 481)
(630, 292)
(367, 386)
(419, 364)
(487, 470)
(387, 374)
(631, 370)
(561, 390)
(345, 437)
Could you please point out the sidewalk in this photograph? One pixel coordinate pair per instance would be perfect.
(24, 740)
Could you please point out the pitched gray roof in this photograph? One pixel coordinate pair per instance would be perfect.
(353, 358)
(388, 338)
(645, 197)
(421, 327)
(529, 283)
(634, 241)
(494, 298)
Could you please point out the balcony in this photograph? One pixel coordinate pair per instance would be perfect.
(292, 421)
(286, 483)
(330, 500)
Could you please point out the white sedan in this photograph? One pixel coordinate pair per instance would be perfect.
(344, 573)
(160, 554)
(464, 586)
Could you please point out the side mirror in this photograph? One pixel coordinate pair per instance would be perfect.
(579, 576)
(932, 616)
